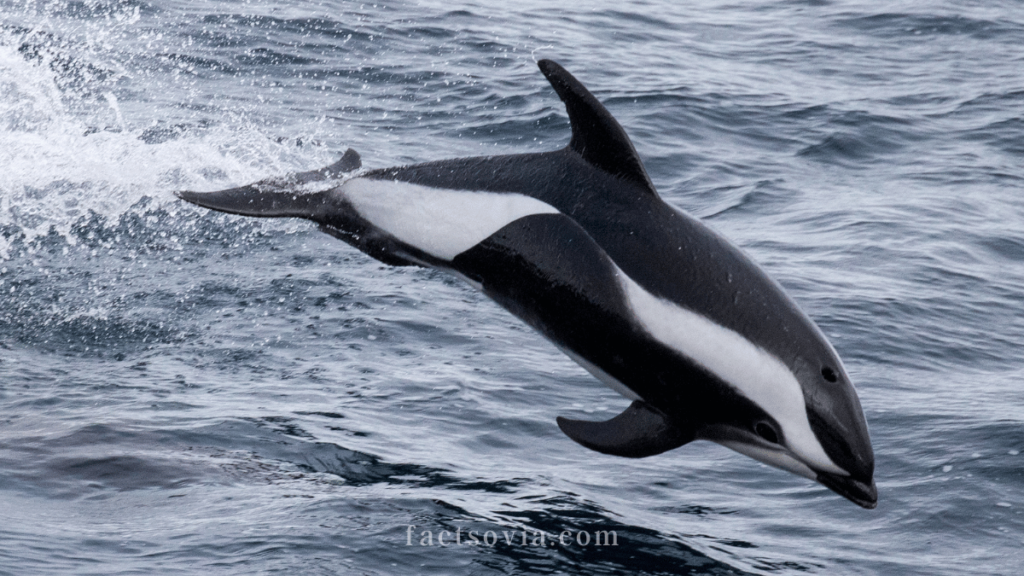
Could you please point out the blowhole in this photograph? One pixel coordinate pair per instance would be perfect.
(765, 430)
(829, 374)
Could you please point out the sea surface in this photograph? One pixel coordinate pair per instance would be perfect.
(184, 392)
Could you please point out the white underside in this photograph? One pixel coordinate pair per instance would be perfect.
(774, 458)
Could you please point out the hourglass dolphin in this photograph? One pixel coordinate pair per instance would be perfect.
(578, 244)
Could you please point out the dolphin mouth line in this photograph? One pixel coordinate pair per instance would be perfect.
(864, 494)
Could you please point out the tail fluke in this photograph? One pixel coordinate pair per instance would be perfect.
(276, 197)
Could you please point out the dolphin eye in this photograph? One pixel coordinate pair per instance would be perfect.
(829, 374)
(765, 430)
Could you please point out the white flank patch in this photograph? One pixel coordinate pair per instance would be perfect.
(442, 223)
(751, 370)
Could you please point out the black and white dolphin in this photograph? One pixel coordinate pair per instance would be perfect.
(578, 244)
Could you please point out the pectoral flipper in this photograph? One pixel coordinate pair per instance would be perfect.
(637, 432)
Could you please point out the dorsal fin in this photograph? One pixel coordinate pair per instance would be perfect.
(596, 135)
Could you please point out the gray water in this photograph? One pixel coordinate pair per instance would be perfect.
(183, 392)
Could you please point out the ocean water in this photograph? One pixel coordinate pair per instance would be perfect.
(184, 392)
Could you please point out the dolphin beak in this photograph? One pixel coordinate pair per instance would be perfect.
(861, 493)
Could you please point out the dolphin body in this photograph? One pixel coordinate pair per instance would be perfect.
(578, 244)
